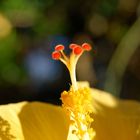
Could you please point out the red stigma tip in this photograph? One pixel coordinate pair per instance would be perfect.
(72, 46)
(59, 48)
(56, 55)
(77, 50)
(86, 47)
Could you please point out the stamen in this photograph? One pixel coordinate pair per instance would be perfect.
(72, 46)
(56, 55)
(77, 50)
(86, 47)
(59, 48)
(77, 101)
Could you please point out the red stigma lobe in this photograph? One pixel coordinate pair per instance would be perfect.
(77, 50)
(59, 48)
(86, 47)
(56, 55)
(72, 46)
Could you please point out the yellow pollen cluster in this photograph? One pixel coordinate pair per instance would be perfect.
(77, 105)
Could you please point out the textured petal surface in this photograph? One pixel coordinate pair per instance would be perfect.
(42, 121)
(10, 126)
(32, 121)
(113, 120)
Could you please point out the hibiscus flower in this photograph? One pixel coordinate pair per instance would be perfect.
(114, 119)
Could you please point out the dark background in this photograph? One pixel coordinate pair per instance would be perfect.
(29, 31)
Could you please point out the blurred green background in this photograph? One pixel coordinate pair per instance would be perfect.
(29, 30)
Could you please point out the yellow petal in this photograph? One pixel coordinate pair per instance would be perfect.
(10, 126)
(115, 119)
(41, 121)
(36, 121)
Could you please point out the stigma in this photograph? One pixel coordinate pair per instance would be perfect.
(71, 61)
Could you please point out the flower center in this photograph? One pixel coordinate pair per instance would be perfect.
(77, 101)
